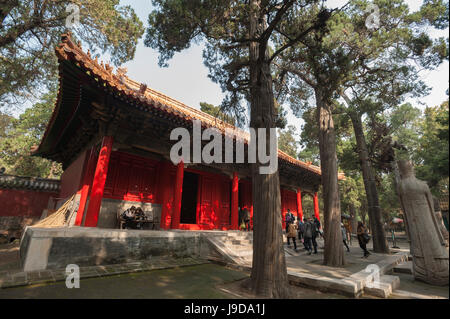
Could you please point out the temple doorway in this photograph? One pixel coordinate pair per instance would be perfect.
(189, 199)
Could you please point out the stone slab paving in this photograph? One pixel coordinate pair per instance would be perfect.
(15, 278)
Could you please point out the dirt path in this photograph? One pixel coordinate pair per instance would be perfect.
(9, 256)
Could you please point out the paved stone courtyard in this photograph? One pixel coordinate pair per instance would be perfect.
(152, 278)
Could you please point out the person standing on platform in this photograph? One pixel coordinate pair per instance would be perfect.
(317, 224)
(247, 219)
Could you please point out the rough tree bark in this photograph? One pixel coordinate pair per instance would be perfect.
(269, 273)
(334, 250)
(380, 244)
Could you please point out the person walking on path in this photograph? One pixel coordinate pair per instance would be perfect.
(344, 236)
(292, 233)
(363, 238)
(301, 232)
(317, 223)
(288, 219)
(310, 236)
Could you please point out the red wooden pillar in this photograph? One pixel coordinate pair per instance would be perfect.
(98, 183)
(87, 181)
(316, 206)
(234, 201)
(166, 194)
(177, 196)
(299, 204)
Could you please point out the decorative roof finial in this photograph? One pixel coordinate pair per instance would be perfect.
(142, 88)
(66, 37)
(88, 53)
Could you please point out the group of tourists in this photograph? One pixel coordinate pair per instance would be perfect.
(307, 231)
(134, 218)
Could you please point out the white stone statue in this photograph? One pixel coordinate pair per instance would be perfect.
(430, 256)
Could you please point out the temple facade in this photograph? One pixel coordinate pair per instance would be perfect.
(112, 136)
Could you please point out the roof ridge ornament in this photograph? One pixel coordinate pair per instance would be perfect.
(142, 88)
(66, 37)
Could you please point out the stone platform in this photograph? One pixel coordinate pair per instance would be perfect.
(50, 249)
(54, 248)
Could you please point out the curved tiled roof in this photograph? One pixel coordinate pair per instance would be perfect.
(149, 98)
(29, 183)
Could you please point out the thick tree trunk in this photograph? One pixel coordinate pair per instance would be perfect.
(363, 212)
(380, 244)
(269, 273)
(334, 250)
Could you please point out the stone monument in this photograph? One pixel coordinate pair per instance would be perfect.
(430, 256)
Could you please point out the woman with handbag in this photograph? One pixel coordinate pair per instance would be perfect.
(363, 238)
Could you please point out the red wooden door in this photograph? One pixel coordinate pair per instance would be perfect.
(206, 207)
(111, 177)
(225, 189)
(135, 181)
(123, 174)
(148, 183)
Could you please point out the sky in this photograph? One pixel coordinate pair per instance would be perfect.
(186, 78)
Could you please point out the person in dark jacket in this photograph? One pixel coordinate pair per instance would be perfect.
(344, 236)
(301, 232)
(240, 217)
(246, 217)
(317, 224)
(310, 236)
(361, 231)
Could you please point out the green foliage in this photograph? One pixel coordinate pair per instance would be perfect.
(217, 112)
(433, 152)
(30, 30)
(287, 141)
(21, 135)
(223, 25)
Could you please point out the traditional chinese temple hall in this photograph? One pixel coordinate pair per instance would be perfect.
(112, 136)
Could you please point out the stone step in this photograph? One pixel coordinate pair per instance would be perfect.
(242, 242)
(239, 248)
(238, 236)
(384, 288)
(404, 268)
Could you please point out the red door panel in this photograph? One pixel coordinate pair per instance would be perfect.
(206, 209)
(111, 177)
(148, 182)
(123, 174)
